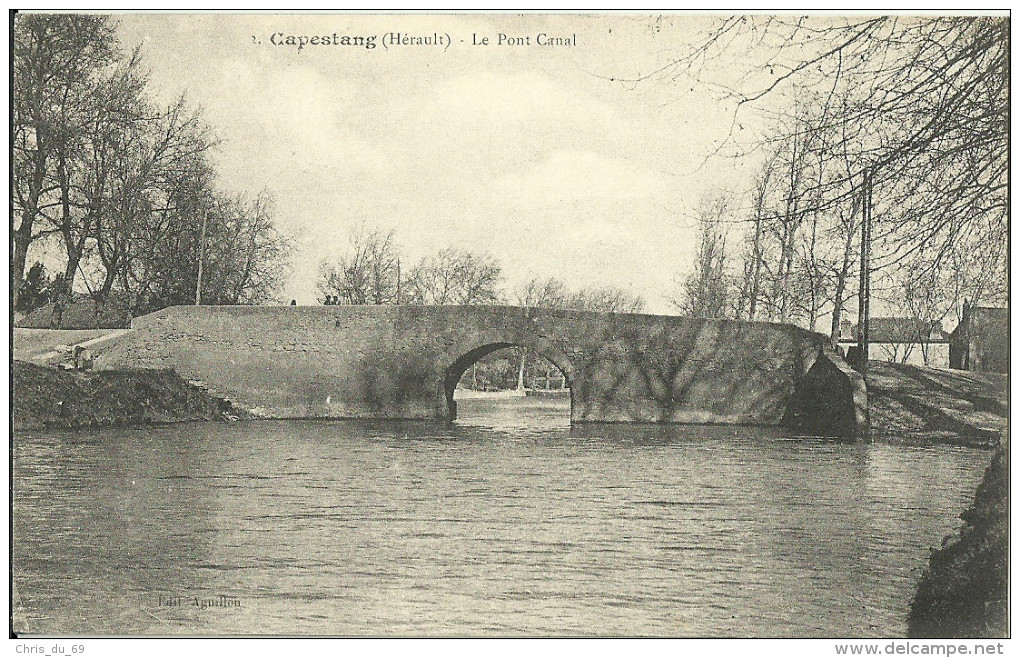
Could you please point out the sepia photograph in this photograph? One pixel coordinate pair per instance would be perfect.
(510, 325)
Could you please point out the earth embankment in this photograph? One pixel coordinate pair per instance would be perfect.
(51, 397)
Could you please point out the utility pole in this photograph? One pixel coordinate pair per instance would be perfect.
(201, 258)
(864, 306)
(398, 282)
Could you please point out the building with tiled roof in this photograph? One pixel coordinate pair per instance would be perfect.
(902, 340)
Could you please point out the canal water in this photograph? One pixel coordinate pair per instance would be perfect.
(506, 523)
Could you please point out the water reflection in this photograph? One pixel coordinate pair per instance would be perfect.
(489, 526)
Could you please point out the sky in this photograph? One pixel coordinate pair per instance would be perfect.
(549, 158)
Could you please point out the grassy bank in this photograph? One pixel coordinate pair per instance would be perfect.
(48, 397)
(932, 405)
(964, 590)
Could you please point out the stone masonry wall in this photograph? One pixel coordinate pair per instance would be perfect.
(403, 362)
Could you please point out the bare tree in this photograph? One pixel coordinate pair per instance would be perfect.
(926, 306)
(152, 155)
(367, 272)
(165, 245)
(60, 64)
(93, 140)
(246, 256)
(120, 185)
(705, 292)
(482, 277)
(543, 293)
(605, 299)
(553, 293)
(750, 290)
(455, 276)
(922, 103)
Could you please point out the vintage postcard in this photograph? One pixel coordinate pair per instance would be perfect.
(510, 325)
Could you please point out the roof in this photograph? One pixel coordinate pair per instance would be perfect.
(990, 311)
(983, 319)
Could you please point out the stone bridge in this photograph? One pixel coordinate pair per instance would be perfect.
(405, 362)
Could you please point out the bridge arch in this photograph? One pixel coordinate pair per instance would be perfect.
(456, 366)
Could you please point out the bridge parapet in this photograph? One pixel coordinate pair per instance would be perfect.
(403, 362)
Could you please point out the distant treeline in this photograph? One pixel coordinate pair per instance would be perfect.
(370, 271)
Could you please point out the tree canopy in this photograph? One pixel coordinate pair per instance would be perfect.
(920, 104)
(123, 185)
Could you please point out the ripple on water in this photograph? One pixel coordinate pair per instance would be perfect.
(494, 528)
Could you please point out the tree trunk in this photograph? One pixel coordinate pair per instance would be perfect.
(816, 294)
(790, 221)
(837, 309)
(62, 295)
(756, 258)
(19, 252)
(102, 295)
(23, 234)
(837, 312)
(782, 281)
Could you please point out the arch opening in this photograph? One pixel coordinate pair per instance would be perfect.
(504, 370)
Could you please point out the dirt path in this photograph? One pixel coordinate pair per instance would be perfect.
(49, 346)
